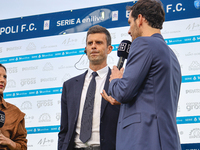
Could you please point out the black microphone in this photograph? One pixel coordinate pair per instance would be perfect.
(2, 118)
(122, 52)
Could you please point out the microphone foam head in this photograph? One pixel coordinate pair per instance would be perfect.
(123, 49)
(2, 118)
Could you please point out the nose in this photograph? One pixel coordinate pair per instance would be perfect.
(129, 32)
(94, 45)
(2, 80)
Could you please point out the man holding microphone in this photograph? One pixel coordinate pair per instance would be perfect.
(149, 88)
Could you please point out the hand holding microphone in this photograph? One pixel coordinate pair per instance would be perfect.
(117, 71)
(122, 52)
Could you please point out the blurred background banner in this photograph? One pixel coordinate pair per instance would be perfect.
(42, 45)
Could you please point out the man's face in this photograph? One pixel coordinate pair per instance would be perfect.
(97, 49)
(3, 80)
(133, 31)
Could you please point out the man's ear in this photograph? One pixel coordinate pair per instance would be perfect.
(109, 49)
(140, 20)
(85, 51)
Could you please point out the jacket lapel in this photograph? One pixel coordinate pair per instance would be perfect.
(103, 101)
(78, 91)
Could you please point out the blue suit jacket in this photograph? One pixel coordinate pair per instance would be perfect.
(70, 103)
(149, 93)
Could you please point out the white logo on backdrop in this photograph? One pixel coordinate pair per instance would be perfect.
(48, 67)
(31, 46)
(26, 105)
(114, 15)
(46, 24)
(194, 66)
(11, 84)
(66, 77)
(45, 118)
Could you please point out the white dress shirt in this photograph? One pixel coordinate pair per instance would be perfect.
(100, 82)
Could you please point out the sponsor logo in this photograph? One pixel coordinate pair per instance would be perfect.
(29, 68)
(28, 81)
(69, 41)
(11, 84)
(125, 35)
(45, 142)
(113, 35)
(193, 106)
(192, 91)
(195, 133)
(192, 54)
(114, 15)
(65, 67)
(197, 4)
(194, 66)
(26, 105)
(66, 77)
(48, 67)
(28, 119)
(58, 115)
(46, 24)
(31, 46)
(12, 70)
(45, 118)
(44, 103)
(50, 46)
(13, 48)
(48, 79)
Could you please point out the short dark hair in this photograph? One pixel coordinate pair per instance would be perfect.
(3, 66)
(100, 29)
(151, 10)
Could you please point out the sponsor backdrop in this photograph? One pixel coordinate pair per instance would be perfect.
(43, 50)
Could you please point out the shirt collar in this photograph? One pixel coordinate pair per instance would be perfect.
(101, 73)
(3, 102)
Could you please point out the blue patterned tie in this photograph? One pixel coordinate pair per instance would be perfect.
(86, 121)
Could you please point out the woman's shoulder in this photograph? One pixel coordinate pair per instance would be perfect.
(13, 110)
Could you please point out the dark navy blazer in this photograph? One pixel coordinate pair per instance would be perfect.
(149, 93)
(70, 103)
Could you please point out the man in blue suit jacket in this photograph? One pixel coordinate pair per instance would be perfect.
(105, 115)
(149, 88)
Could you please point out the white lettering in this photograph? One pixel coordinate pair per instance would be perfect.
(2, 30)
(58, 23)
(78, 21)
(7, 30)
(179, 8)
(127, 14)
(169, 7)
(65, 22)
(23, 27)
(31, 27)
